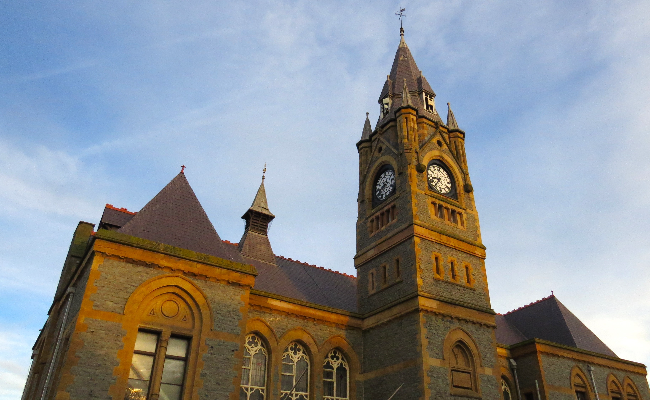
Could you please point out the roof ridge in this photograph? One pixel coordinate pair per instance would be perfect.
(316, 266)
(122, 209)
(530, 304)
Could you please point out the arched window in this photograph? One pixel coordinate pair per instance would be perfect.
(614, 388)
(630, 392)
(335, 377)
(253, 377)
(580, 387)
(462, 367)
(505, 388)
(295, 373)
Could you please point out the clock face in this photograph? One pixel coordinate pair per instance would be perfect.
(439, 180)
(385, 185)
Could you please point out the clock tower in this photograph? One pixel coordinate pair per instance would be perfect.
(422, 285)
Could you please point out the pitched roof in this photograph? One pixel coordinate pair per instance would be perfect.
(175, 217)
(114, 218)
(306, 282)
(405, 72)
(549, 319)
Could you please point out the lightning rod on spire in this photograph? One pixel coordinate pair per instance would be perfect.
(401, 16)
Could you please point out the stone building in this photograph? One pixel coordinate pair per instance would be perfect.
(154, 305)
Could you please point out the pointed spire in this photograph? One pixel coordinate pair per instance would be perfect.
(406, 98)
(255, 243)
(259, 203)
(175, 217)
(451, 120)
(367, 129)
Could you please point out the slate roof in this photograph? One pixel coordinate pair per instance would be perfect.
(406, 72)
(175, 217)
(114, 218)
(305, 282)
(367, 129)
(259, 202)
(548, 319)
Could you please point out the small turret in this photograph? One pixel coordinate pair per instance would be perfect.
(255, 242)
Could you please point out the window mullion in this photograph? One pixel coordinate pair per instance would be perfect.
(159, 363)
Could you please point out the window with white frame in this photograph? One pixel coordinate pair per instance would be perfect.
(295, 373)
(335, 377)
(253, 379)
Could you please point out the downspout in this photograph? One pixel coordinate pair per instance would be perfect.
(593, 381)
(513, 365)
(69, 293)
(539, 396)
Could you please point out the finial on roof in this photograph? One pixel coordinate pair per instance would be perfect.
(451, 119)
(401, 15)
(182, 169)
(406, 99)
(264, 172)
(552, 293)
(367, 129)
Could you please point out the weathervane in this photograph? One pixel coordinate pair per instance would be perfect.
(264, 172)
(182, 169)
(401, 15)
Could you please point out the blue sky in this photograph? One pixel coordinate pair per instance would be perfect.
(103, 101)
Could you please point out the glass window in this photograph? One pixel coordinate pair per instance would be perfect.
(295, 373)
(505, 389)
(253, 380)
(148, 347)
(335, 377)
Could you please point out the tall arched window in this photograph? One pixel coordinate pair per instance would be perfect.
(335, 377)
(253, 377)
(505, 388)
(462, 367)
(295, 373)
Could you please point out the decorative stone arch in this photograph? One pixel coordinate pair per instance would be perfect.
(450, 162)
(580, 384)
(165, 303)
(306, 340)
(462, 357)
(614, 388)
(372, 174)
(630, 390)
(354, 366)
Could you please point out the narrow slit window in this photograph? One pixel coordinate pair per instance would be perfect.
(436, 260)
(384, 274)
(398, 272)
(453, 270)
(468, 277)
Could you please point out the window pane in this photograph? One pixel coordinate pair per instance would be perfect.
(136, 390)
(287, 382)
(141, 367)
(173, 371)
(257, 394)
(146, 341)
(258, 370)
(242, 394)
(245, 376)
(177, 347)
(301, 366)
(341, 382)
(170, 392)
(328, 388)
(287, 368)
(328, 374)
